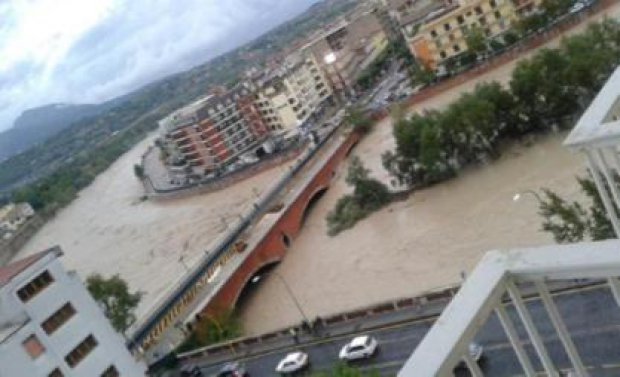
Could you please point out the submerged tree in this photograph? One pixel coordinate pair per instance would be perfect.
(117, 302)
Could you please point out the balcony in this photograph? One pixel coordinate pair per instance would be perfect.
(496, 284)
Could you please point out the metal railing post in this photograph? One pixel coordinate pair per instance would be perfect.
(472, 365)
(526, 318)
(560, 328)
(600, 186)
(513, 337)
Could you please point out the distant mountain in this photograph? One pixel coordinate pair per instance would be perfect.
(78, 137)
(36, 125)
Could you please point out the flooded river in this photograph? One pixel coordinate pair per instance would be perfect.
(407, 248)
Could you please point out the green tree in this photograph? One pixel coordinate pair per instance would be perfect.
(476, 40)
(113, 295)
(368, 195)
(358, 120)
(572, 221)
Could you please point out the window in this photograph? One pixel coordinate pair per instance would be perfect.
(451, 37)
(478, 10)
(498, 15)
(33, 346)
(456, 48)
(35, 286)
(81, 351)
(110, 372)
(483, 20)
(492, 3)
(56, 373)
(460, 19)
(446, 27)
(442, 54)
(433, 33)
(57, 319)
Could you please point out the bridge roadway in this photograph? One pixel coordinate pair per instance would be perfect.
(590, 314)
(164, 328)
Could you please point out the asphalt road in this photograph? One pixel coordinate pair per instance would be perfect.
(591, 315)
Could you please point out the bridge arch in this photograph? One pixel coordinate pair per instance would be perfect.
(248, 283)
(312, 201)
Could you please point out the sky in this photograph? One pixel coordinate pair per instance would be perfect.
(88, 51)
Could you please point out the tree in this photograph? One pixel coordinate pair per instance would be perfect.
(476, 40)
(368, 195)
(359, 121)
(117, 302)
(571, 221)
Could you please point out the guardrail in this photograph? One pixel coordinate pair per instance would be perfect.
(142, 329)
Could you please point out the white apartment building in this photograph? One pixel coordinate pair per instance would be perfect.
(50, 326)
(289, 96)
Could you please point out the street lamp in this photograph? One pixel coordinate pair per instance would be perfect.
(182, 261)
(256, 279)
(520, 194)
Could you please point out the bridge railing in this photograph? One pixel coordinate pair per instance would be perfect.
(143, 328)
(494, 284)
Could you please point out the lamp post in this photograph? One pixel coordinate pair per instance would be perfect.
(533, 193)
(255, 280)
(182, 261)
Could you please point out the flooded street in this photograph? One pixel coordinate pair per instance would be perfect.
(108, 229)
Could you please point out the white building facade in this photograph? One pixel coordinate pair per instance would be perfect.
(50, 326)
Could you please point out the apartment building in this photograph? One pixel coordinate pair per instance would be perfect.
(217, 130)
(440, 34)
(51, 327)
(349, 47)
(290, 95)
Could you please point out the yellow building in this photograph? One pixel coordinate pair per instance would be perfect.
(289, 96)
(442, 33)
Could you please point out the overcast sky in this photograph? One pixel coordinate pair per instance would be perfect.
(80, 51)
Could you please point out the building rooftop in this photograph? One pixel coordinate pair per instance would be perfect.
(8, 272)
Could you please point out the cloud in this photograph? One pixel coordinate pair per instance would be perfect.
(90, 51)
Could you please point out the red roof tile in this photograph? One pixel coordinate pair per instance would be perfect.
(9, 271)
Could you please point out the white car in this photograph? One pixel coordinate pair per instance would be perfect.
(577, 7)
(359, 348)
(293, 362)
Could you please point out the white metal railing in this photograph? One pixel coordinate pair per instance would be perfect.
(497, 276)
(597, 135)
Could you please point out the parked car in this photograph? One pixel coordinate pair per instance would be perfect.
(191, 371)
(233, 369)
(292, 363)
(361, 347)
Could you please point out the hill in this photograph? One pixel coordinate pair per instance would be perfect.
(57, 168)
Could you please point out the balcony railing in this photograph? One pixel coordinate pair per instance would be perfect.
(496, 280)
(495, 283)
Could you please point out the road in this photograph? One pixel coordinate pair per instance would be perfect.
(590, 314)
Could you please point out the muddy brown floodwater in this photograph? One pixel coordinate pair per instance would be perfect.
(404, 249)
(108, 229)
(420, 244)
